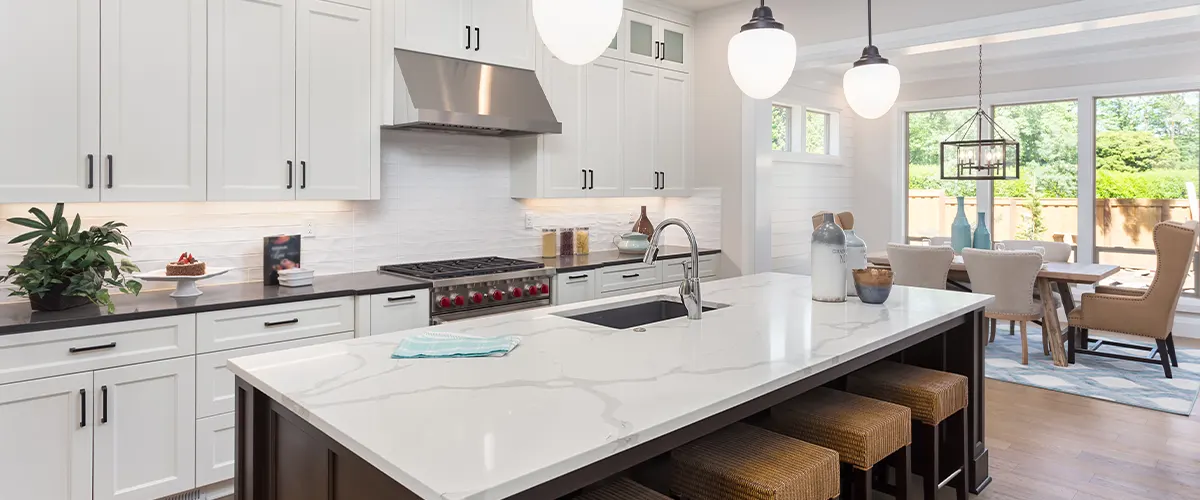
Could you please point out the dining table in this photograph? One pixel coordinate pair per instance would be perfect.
(1052, 274)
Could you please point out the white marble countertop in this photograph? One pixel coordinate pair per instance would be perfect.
(573, 393)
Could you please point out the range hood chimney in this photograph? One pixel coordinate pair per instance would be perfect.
(444, 94)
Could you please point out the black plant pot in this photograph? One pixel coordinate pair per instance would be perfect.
(54, 300)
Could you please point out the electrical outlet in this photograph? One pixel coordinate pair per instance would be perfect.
(528, 220)
(310, 229)
(632, 216)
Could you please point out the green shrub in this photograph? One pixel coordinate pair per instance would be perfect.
(1135, 151)
(1060, 181)
(1153, 184)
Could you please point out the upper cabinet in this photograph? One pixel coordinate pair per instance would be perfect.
(655, 41)
(499, 32)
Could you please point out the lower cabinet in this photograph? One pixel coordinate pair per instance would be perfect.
(46, 438)
(391, 312)
(216, 444)
(570, 288)
(144, 419)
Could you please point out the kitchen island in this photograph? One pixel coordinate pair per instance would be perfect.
(575, 402)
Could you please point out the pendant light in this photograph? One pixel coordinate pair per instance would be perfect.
(762, 56)
(872, 85)
(577, 31)
(966, 155)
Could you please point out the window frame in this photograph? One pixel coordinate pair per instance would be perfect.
(825, 141)
(799, 135)
(789, 133)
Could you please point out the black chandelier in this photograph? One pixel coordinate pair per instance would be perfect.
(967, 156)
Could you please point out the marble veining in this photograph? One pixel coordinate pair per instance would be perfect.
(573, 393)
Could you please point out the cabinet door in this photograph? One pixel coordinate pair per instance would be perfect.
(216, 447)
(506, 32)
(603, 153)
(570, 288)
(676, 45)
(152, 79)
(672, 145)
(46, 439)
(616, 49)
(395, 312)
(333, 107)
(638, 128)
(565, 174)
(435, 26)
(251, 99)
(145, 436)
(50, 97)
(641, 42)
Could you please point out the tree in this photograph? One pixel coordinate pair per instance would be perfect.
(781, 121)
(1134, 151)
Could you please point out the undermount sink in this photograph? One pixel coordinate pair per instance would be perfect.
(635, 313)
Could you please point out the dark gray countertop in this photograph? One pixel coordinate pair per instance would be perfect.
(17, 317)
(597, 260)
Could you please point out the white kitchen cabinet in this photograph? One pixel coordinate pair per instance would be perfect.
(603, 154)
(499, 32)
(145, 430)
(672, 137)
(563, 154)
(392, 312)
(333, 101)
(639, 125)
(216, 448)
(676, 46)
(50, 52)
(152, 93)
(656, 42)
(46, 438)
(572, 287)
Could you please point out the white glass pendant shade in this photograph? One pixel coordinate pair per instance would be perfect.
(871, 89)
(577, 31)
(762, 60)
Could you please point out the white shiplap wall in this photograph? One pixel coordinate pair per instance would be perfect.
(803, 185)
(443, 196)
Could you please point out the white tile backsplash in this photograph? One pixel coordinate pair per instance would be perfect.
(443, 196)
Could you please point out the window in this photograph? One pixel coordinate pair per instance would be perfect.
(1043, 204)
(781, 128)
(816, 136)
(931, 200)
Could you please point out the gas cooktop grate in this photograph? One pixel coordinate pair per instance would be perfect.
(457, 268)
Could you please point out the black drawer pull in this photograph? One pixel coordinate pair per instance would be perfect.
(398, 299)
(109, 345)
(627, 276)
(579, 277)
(83, 408)
(104, 404)
(285, 322)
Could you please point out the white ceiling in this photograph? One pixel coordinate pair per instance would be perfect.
(698, 5)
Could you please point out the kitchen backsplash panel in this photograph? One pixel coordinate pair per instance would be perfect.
(443, 196)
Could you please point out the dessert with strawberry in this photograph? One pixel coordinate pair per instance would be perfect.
(187, 265)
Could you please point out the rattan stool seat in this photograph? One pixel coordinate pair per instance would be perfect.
(930, 394)
(862, 430)
(744, 462)
(622, 489)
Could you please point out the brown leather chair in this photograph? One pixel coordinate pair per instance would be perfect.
(1144, 312)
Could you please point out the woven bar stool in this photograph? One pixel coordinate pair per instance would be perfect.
(865, 432)
(621, 489)
(744, 462)
(938, 401)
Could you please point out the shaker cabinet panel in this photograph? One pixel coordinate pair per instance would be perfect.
(436, 27)
(602, 151)
(565, 173)
(641, 44)
(676, 40)
(639, 123)
(50, 52)
(46, 439)
(152, 81)
(506, 32)
(672, 147)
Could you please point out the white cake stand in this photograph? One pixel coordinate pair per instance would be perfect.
(185, 286)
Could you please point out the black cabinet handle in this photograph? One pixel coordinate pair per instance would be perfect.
(285, 322)
(591, 179)
(662, 184)
(110, 171)
(91, 171)
(664, 51)
(584, 172)
(109, 345)
(468, 37)
(398, 299)
(627, 276)
(83, 408)
(291, 173)
(579, 277)
(104, 404)
(656, 51)
(303, 174)
(478, 40)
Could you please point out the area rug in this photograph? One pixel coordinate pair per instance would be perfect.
(1135, 384)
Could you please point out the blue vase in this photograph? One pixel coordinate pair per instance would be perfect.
(960, 229)
(983, 237)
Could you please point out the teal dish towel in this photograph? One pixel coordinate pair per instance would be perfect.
(454, 345)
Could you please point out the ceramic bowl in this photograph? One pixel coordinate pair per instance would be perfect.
(632, 242)
(874, 284)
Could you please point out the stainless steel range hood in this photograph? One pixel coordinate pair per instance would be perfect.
(452, 95)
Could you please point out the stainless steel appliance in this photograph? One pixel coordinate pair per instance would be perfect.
(469, 288)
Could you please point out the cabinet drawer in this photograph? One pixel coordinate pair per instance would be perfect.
(628, 276)
(251, 326)
(570, 288)
(214, 382)
(673, 268)
(393, 312)
(48, 353)
(216, 443)
(629, 291)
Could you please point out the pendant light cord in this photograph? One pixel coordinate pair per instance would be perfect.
(870, 37)
(981, 76)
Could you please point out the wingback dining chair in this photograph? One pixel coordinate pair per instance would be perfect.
(1009, 276)
(1146, 312)
(919, 265)
(1056, 251)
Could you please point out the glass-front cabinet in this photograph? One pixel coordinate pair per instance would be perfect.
(656, 42)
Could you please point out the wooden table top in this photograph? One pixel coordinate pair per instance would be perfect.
(1069, 272)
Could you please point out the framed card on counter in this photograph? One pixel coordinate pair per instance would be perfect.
(279, 253)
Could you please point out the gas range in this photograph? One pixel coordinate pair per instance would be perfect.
(468, 288)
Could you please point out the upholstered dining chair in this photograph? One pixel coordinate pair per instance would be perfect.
(1056, 251)
(1146, 312)
(919, 265)
(939, 241)
(1009, 276)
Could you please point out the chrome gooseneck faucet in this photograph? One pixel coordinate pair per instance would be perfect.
(689, 290)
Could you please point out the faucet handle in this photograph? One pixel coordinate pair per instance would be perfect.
(651, 254)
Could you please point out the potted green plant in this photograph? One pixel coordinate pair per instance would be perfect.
(67, 266)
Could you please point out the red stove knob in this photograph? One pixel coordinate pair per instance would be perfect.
(514, 292)
(476, 298)
(443, 301)
(531, 290)
(496, 294)
(546, 288)
(457, 299)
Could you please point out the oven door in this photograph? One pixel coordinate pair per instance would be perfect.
(488, 311)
